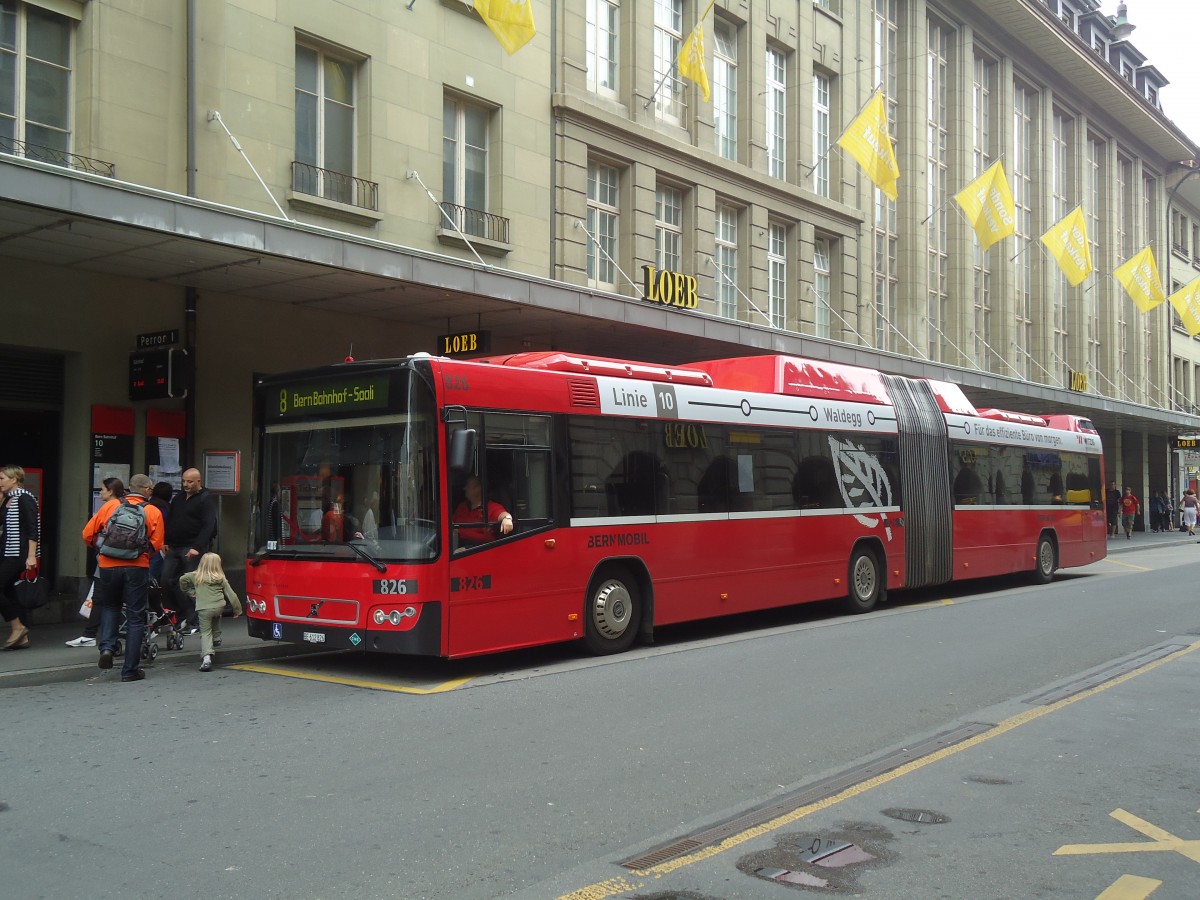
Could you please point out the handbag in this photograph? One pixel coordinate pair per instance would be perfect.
(31, 589)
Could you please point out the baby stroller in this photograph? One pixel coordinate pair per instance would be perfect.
(160, 622)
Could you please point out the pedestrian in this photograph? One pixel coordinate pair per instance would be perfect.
(209, 589)
(1158, 509)
(1112, 507)
(109, 488)
(1130, 507)
(192, 526)
(160, 499)
(20, 548)
(1189, 506)
(123, 575)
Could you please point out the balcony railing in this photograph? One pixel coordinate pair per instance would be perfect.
(57, 157)
(336, 186)
(476, 222)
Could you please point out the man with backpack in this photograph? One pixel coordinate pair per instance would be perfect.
(125, 531)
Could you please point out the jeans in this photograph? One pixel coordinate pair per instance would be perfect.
(128, 585)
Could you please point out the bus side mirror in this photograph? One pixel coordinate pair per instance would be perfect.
(461, 454)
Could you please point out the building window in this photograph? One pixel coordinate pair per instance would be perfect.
(1024, 162)
(325, 124)
(465, 164)
(35, 82)
(985, 73)
(1127, 71)
(724, 89)
(602, 217)
(886, 226)
(726, 258)
(1062, 194)
(1125, 222)
(776, 94)
(821, 286)
(603, 17)
(668, 229)
(937, 163)
(777, 273)
(1090, 301)
(668, 37)
(821, 134)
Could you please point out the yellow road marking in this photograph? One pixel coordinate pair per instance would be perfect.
(1130, 887)
(1160, 841)
(612, 887)
(354, 682)
(1117, 562)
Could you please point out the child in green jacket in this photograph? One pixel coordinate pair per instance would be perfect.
(209, 586)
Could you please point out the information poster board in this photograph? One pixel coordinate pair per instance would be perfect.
(223, 471)
(165, 429)
(112, 447)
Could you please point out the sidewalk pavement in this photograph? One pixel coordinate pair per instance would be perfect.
(48, 659)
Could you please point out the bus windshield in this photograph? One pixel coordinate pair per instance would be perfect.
(352, 487)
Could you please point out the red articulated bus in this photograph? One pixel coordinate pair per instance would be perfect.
(446, 507)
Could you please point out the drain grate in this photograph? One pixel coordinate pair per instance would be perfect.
(920, 816)
(811, 794)
(1098, 678)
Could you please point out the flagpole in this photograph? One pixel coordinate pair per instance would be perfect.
(741, 293)
(879, 313)
(1001, 358)
(946, 338)
(832, 144)
(841, 319)
(600, 247)
(667, 73)
(413, 175)
(1029, 357)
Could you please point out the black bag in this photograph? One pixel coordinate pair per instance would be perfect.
(31, 589)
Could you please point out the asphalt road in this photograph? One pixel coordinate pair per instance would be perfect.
(543, 769)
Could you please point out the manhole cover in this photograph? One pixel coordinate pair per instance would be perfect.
(920, 816)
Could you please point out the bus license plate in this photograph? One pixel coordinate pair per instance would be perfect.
(313, 637)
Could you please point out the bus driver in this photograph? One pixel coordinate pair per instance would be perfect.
(471, 510)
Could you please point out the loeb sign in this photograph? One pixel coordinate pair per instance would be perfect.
(669, 288)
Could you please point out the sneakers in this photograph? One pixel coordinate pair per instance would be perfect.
(136, 676)
(106, 657)
(191, 629)
(206, 665)
(217, 642)
(83, 641)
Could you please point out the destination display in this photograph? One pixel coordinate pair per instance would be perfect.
(342, 395)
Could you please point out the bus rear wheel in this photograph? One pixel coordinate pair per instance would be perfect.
(865, 582)
(1047, 560)
(613, 613)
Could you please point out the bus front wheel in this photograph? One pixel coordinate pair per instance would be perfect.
(1047, 560)
(865, 582)
(612, 615)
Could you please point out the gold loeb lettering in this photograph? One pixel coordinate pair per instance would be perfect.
(669, 288)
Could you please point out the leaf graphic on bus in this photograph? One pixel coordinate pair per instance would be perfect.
(862, 481)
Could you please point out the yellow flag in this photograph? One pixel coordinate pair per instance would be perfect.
(1139, 276)
(691, 60)
(988, 204)
(511, 21)
(868, 141)
(1067, 241)
(1186, 301)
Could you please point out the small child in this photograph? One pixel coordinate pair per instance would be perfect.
(211, 589)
